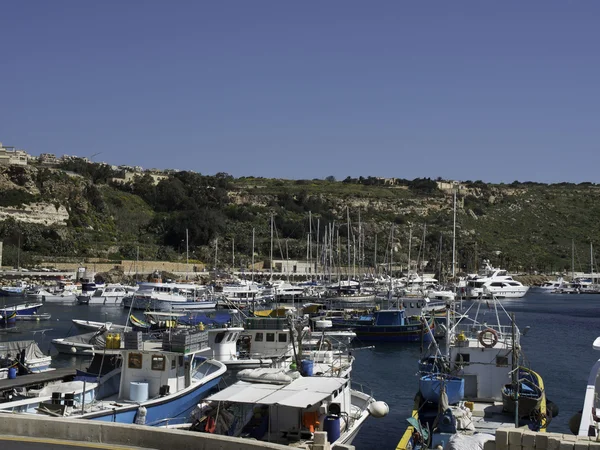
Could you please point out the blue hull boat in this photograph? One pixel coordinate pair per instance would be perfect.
(389, 326)
(24, 309)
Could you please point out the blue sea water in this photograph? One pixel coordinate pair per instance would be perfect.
(558, 346)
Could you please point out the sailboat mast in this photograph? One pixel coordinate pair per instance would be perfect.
(409, 246)
(348, 246)
(187, 253)
(271, 265)
(572, 260)
(375, 256)
(253, 254)
(454, 239)
(592, 262)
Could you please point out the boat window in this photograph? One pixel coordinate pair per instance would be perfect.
(270, 337)
(258, 337)
(158, 362)
(230, 337)
(134, 361)
(282, 337)
(219, 337)
(173, 364)
(496, 284)
(412, 305)
(501, 361)
(180, 360)
(463, 359)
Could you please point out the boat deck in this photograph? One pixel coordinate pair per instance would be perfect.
(36, 378)
(488, 417)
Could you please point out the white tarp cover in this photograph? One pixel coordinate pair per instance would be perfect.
(301, 393)
(466, 442)
(14, 349)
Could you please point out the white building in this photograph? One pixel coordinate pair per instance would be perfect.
(10, 156)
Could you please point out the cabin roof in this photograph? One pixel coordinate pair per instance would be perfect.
(301, 393)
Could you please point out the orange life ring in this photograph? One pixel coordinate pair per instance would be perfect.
(488, 338)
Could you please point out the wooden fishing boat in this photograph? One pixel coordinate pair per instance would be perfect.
(530, 393)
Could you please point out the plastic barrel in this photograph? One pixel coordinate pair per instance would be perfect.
(12, 373)
(138, 392)
(332, 428)
(307, 367)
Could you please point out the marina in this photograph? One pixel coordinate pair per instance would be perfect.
(389, 368)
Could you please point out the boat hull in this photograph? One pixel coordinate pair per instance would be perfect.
(160, 411)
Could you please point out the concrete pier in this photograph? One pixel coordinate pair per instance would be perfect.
(524, 439)
(40, 432)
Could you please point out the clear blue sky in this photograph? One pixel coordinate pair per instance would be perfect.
(496, 91)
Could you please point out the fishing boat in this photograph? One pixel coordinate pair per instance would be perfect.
(483, 356)
(288, 410)
(150, 384)
(26, 354)
(23, 309)
(8, 318)
(111, 294)
(82, 344)
(388, 325)
(89, 325)
(528, 392)
(45, 296)
(168, 297)
(18, 290)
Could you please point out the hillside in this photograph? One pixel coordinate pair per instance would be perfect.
(78, 211)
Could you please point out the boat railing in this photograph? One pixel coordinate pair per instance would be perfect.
(473, 330)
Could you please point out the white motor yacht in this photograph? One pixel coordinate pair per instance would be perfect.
(495, 282)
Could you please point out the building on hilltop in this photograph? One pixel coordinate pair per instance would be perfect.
(48, 159)
(128, 176)
(10, 156)
(449, 186)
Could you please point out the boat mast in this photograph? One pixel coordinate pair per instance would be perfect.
(409, 246)
(454, 239)
(318, 255)
(348, 246)
(391, 266)
(572, 260)
(375, 256)
(271, 264)
(252, 254)
(187, 253)
(592, 262)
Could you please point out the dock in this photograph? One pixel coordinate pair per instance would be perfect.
(37, 378)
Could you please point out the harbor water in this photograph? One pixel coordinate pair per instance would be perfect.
(558, 346)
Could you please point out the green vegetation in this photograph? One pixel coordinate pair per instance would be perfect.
(523, 226)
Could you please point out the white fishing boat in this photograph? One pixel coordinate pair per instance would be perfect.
(45, 296)
(28, 353)
(151, 384)
(290, 409)
(168, 297)
(111, 294)
(89, 325)
(467, 392)
(82, 344)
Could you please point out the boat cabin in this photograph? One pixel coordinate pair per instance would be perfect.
(483, 357)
